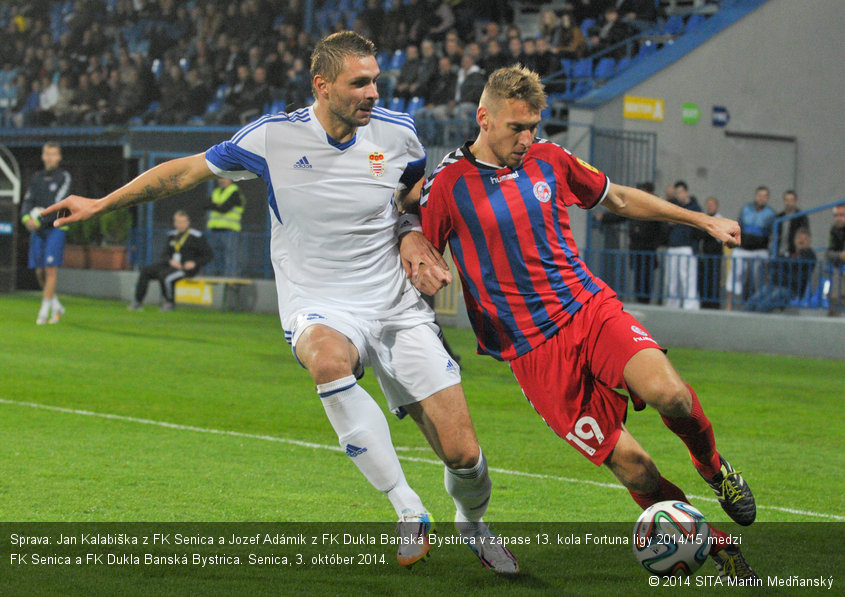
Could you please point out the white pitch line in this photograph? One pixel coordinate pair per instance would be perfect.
(302, 444)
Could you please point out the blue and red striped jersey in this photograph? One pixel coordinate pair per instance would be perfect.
(508, 230)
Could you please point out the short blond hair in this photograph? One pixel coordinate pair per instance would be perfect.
(330, 52)
(515, 82)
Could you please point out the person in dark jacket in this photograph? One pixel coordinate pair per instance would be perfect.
(681, 259)
(644, 237)
(788, 277)
(187, 251)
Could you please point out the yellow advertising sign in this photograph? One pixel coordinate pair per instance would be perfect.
(643, 108)
(193, 292)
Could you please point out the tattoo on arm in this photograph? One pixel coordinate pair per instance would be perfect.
(168, 185)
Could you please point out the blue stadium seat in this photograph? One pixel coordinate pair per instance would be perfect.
(582, 69)
(674, 25)
(397, 104)
(566, 66)
(397, 60)
(647, 49)
(605, 68)
(383, 59)
(278, 107)
(693, 22)
(414, 104)
(624, 63)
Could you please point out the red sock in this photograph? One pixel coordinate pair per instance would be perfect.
(665, 491)
(697, 434)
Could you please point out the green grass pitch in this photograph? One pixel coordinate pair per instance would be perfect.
(202, 416)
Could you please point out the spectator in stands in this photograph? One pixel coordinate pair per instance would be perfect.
(470, 83)
(515, 50)
(608, 32)
(644, 236)
(836, 255)
(28, 104)
(100, 96)
(788, 277)
(639, 15)
(440, 94)
(529, 57)
(453, 49)
(232, 104)
(373, 17)
(298, 85)
(125, 99)
(492, 32)
(47, 99)
(547, 61)
(494, 58)
(790, 206)
(745, 267)
(395, 31)
(567, 39)
(255, 97)
(199, 93)
(419, 16)
(408, 80)
(175, 106)
(443, 20)
(586, 9)
(710, 262)
(681, 259)
(63, 108)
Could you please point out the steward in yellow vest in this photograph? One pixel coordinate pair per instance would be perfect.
(227, 207)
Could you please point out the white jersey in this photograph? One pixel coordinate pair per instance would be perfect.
(333, 240)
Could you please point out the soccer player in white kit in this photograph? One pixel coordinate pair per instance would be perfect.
(332, 170)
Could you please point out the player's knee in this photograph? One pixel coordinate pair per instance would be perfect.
(642, 475)
(328, 366)
(673, 399)
(461, 457)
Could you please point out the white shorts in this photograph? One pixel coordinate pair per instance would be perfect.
(404, 350)
(745, 263)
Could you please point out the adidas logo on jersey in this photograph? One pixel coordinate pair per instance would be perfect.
(353, 451)
(450, 366)
(302, 163)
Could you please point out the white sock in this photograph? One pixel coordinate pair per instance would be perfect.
(44, 311)
(470, 489)
(55, 304)
(363, 432)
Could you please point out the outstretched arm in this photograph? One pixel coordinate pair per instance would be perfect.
(639, 205)
(169, 178)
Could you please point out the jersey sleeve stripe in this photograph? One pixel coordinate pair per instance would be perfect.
(254, 125)
(392, 121)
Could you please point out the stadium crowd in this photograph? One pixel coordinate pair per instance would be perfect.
(103, 62)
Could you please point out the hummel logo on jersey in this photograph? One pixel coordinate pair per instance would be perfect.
(302, 163)
(353, 451)
(504, 177)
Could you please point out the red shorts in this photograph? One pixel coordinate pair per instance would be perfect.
(570, 378)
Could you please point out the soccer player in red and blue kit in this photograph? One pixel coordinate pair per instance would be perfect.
(501, 204)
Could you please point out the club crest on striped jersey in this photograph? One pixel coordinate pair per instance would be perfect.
(542, 191)
(376, 163)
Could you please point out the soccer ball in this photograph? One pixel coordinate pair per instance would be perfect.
(671, 538)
